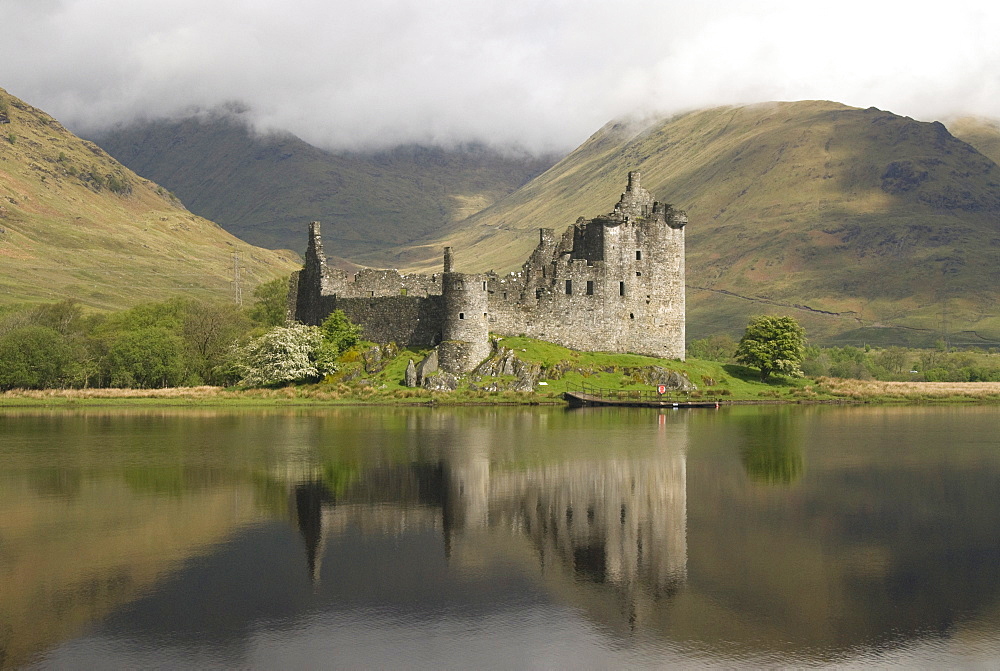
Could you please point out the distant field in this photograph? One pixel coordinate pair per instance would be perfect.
(910, 391)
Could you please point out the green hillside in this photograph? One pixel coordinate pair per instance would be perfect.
(981, 133)
(267, 188)
(846, 218)
(74, 223)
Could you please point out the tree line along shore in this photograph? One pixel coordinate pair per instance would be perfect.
(182, 352)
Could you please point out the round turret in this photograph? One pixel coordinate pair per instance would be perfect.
(466, 330)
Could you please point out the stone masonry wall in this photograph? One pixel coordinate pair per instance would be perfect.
(618, 287)
(409, 321)
(612, 283)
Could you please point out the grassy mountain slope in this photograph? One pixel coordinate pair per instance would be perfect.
(846, 218)
(981, 133)
(74, 223)
(266, 189)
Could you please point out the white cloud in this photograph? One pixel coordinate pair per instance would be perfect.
(541, 73)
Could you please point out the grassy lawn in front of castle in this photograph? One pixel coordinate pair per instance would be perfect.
(560, 369)
(564, 369)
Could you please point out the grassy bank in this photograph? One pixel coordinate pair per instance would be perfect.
(362, 381)
(874, 391)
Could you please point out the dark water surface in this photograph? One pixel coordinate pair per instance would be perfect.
(500, 538)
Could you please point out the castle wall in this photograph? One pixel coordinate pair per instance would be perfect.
(408, 321)
(620, 287)
(612, 283)
(371, 283)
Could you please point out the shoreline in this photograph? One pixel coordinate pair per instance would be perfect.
(829, 391)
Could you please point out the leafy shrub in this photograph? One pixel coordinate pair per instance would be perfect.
(339, 332)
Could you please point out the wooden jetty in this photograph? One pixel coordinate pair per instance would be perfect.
(633, 398)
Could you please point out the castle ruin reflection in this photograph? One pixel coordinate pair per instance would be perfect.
(616, 523)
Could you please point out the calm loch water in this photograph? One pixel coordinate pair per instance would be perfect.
(500, 538)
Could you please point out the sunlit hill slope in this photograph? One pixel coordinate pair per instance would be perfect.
(74, 223)
(846, 218)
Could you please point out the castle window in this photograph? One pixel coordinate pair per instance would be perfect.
(458, 286)
(590, 287)
(372, 294)
(638, 274)
(621, 288)
(484, 286)
(638, 255)
(461, 315)
(569, 287)
(505, 295)
(631, 315)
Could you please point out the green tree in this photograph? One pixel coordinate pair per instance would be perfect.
(339, 332)
(35, 357)
(893, 360)
(66, 317)
(270, 303)
(850, 362)
(209, 329)
(719, 348)
(773, 345)
(144, 358)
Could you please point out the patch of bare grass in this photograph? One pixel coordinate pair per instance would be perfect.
(909, 391)
(170, 393)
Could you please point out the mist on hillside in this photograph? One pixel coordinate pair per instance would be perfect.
(542, 76)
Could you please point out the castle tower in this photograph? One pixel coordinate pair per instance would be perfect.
(312, 282)
(466, 332)
(636, 202)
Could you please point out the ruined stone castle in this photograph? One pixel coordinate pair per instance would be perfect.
(614, 283)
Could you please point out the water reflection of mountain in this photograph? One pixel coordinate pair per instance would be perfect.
(68, 561)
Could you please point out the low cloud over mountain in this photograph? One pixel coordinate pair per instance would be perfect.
(541, 75)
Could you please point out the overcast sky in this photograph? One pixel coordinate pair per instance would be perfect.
(544, 74)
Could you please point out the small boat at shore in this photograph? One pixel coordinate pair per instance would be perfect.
(632, 399)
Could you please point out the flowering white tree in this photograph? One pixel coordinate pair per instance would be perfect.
(284, 354)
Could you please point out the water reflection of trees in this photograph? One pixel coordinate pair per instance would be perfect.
(772, 449)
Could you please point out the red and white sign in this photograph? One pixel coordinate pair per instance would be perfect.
(662, 389)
